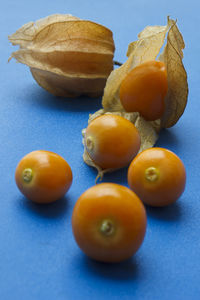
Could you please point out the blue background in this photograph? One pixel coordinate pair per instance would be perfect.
(38, 255)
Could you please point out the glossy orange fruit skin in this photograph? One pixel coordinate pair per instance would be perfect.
(108, 201)
(144, 89)
(51, 176)
(115, 141)
(170, 179)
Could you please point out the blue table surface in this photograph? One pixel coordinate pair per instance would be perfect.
(39, 258)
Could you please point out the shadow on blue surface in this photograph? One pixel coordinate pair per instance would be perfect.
(168, 139)
(44, 99)
(127, 270)
(171, 213)
(118, 176)
(51, 210)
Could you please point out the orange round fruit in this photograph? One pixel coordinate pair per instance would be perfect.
(43, 176)
(111, 141)
(144, 89)
(109, 222)
(157, 176)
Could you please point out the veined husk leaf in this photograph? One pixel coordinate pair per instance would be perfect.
(176, 99)
(147, 47)
(67, 56)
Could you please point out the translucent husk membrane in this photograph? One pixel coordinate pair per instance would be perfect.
(146, 48)
(67, 56)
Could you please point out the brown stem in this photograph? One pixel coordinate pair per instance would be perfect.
(117, 63)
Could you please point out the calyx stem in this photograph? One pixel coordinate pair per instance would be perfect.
(152, 174)
(107, 228)
(27, 175)
(89, 143)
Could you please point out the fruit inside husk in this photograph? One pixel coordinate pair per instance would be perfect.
(147, 48)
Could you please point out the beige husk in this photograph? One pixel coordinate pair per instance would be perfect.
(146, 48)
(67, 56)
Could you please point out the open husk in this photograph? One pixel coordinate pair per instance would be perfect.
(148, 47)
(67, 56)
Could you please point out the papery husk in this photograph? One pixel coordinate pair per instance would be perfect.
(146, 48)
(67, 56)
(176, 99)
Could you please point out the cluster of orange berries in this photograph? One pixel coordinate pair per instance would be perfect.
(109, 220)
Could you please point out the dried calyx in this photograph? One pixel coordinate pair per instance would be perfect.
(147, 48)
(67, 56)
